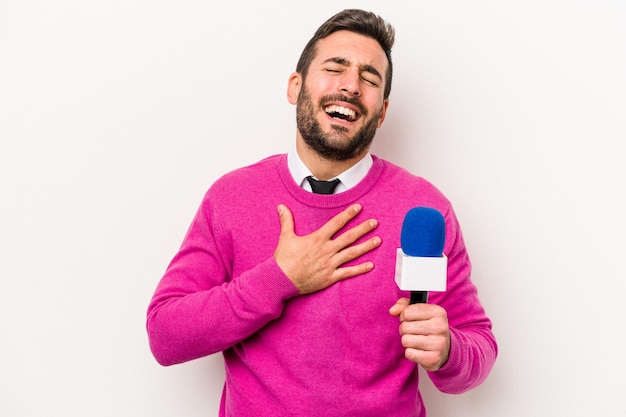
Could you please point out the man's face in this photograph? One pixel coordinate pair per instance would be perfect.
(340, 103)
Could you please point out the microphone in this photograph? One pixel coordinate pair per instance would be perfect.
(420, 264)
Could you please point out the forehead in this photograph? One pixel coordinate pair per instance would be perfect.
(357, 49)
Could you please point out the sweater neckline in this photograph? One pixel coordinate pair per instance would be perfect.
(330, 200)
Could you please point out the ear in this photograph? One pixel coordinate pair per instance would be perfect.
(293, 87)
(383, 112)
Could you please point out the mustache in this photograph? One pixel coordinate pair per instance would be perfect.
(351, 100)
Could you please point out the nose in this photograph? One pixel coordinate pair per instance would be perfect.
(350, 82)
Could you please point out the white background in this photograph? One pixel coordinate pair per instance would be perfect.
(116, 116)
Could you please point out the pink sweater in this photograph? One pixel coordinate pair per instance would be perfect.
(336, 352)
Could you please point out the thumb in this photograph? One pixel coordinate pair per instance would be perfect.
(399, 307)
(286, 220)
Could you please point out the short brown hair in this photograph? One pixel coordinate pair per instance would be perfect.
(356, 21)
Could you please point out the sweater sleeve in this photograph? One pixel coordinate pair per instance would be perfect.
(198, 308)
(473, 347)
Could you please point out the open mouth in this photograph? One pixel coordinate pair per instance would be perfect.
(341, 113)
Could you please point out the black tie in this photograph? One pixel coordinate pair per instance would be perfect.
(323, 187)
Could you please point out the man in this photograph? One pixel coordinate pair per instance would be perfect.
(304, 307)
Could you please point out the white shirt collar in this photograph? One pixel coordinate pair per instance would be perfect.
(349, 178)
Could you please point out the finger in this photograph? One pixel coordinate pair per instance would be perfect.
(426, 350)
(399, 306)
(352, 271)
(286, 220)
(422, 311)
(352, 235)
(421, 342)
(348, 254)
(430, 361)
(335, 224)
(431, 327)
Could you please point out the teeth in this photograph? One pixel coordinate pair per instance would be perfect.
(342, 110)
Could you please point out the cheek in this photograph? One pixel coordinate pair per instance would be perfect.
(319, 86)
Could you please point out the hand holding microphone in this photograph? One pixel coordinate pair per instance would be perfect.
(422, 267)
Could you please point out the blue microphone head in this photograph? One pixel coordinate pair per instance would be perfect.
(423, 232)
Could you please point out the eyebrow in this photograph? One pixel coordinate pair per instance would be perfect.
(345, 62)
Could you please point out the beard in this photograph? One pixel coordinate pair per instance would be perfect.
(334, 145)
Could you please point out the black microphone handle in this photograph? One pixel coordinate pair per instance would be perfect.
(419, 297)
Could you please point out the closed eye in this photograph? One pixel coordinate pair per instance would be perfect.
(371, 82)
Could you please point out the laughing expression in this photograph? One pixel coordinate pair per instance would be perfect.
(340, 102)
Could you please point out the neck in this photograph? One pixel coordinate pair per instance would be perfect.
(322, 168)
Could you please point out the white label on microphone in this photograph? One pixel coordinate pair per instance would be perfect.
(416, 273)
